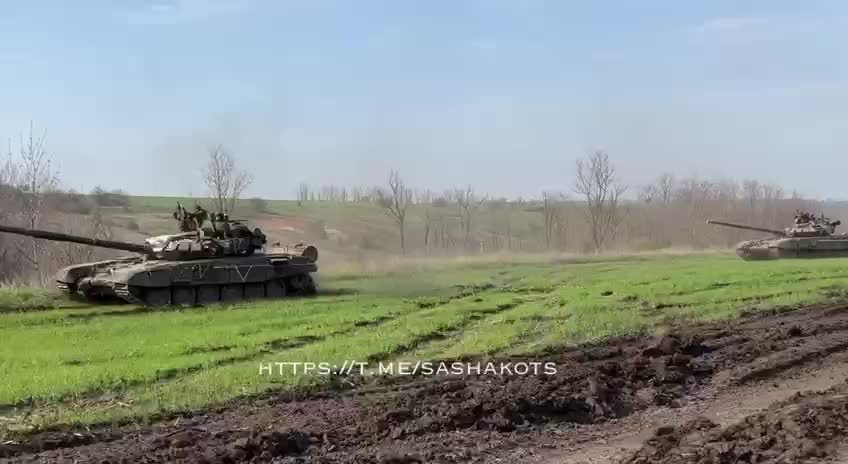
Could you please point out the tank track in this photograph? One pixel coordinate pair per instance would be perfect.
(203, 294)
(757, 254)
(199, 295)
(123, 292)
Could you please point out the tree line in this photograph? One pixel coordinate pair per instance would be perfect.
(591, 213)
(594, 211)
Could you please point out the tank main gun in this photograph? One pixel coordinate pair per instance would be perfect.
(60, 237)
(744, 227)
(202, 236)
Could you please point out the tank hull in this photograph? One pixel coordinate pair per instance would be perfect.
(794, 248)
(148, 282)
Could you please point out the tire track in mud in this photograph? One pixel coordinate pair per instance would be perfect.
(806, 427)
(759, 360)
(483, 417)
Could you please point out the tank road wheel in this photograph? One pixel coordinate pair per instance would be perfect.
(309, 285)
(157, 297)
(254, 291)
(302, 284)
(275, 289)
(208, 294)
(232, 293)
(184, 296)
(76, 294)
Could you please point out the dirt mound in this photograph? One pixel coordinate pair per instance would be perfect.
(804, 428)
(480, 416)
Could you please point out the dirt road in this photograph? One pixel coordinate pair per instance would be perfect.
(740, 391)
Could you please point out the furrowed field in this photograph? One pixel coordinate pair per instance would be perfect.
(62, 363)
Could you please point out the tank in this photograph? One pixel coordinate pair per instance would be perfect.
(212, 259)
(809, 237)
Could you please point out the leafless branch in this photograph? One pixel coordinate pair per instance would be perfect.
(226, 182)
(395, 203)
(597, 183)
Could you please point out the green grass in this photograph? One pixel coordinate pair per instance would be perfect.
(17, 299)
(57, 362)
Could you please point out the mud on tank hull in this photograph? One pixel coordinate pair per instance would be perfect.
(189, 283)
(794, 248)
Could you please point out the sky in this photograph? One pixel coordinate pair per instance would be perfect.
(504, 95)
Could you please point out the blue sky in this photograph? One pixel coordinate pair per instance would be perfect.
(503, 94)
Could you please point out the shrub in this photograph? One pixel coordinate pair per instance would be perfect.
(111, 198)
(645, 244)
(69, 202)
(368, 242)
(259, 205)
(316, 230)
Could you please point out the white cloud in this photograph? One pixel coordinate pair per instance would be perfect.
(186, 11)
(734, 30)
(730, 24)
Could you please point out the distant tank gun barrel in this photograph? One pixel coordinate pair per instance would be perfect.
(60, 237)
(740, 226)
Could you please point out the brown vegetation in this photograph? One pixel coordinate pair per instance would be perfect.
(668, 213)
(30, 197)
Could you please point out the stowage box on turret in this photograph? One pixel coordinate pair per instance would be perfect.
(212, 259)
(809, 237)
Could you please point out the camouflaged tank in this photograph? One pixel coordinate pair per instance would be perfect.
(810, 237)
(213, 259)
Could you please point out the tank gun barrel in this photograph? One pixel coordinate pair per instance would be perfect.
(740, 226)
(60, 237)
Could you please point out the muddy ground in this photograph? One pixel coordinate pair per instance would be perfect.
(740, 391)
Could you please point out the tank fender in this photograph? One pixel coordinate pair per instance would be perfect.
(161, 278)
(219, 274)
(73, 273)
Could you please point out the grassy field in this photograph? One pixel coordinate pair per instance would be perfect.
(63, 363)
(355, 220)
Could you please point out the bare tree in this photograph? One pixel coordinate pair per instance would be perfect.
(468, 204)
(428, 227)
(395, 203)
(302, 192)
(226, 182)
(9, 186)
(693, 195)
(10, 261)
(665, 188)
(597, 183)
(38, 177)
(771, 196)
(649, 194)
(554, 220)
(752, 194)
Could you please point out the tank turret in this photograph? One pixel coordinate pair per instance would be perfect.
(806, 225)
